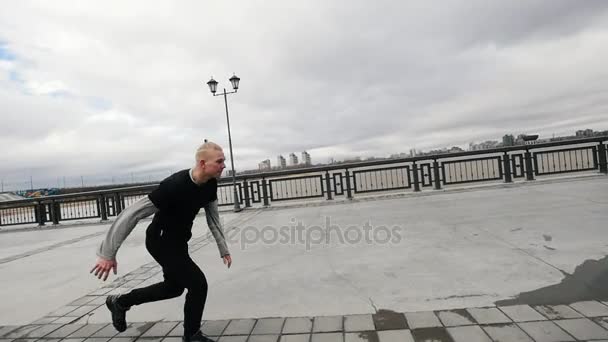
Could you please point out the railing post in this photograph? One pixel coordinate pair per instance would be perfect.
(55, 212)
(602, 158)
(265, 192)
(103, 207)
(328, 185)
(117, 203)
(246, 189)
(528, 161)
(415, 171)
(349, 194)
(507, 168)
(41, 213)
(436, 174)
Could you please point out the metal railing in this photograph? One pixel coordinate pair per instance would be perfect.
(506, 164)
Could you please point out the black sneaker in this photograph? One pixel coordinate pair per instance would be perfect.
(118, 313)
(198, 337)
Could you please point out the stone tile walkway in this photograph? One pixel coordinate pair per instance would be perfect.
(581, 321)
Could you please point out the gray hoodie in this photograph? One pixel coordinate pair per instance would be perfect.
(128, 219)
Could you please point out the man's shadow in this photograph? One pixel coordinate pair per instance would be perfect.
(588, 282)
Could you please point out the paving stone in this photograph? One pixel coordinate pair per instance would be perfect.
(87, 330)
(403, 335)
(295, 338)
(557, 311)
(107, 331)
(264, 338)
(135, 330)
(506, 332)
(214, 328)
(123, 339)
(161, 329)
(545, 332)
(389, 320)
(603, 321)
(97, 339)
(471, 333)
(66, 320)
(149, 339)
(178, 331)
(327, 337)
(43, 320)
(81, 310)
(44, 330)
(82, 301)
(456, 317)
(590, 308)
(23, 340)
(358, 323)
(21, 332)
(488, 315)
(297, 325)
(100, 292)
(65, 340)
(7, 329)
(328, 324)
(62, 311)
(268, 326)
(361, 336)
(241, 338)
(98, 300)
(522, 313)
(423, 319)
(171, 339)
(239, 327)
(65, 331)
(583, 329)
(431, 334)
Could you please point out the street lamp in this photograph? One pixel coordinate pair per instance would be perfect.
(235, 85)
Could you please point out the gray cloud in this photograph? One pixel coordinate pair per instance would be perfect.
(114, 88)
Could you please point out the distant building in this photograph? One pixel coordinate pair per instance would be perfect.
(265, 165)
(508, 140)
(488, 144)
(306, 158)
(586, 133)
(293, 159)
(399, 155)
(413, 152)
(281, 163)
(455, 149)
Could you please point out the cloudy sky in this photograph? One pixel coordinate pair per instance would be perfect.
(108, 88)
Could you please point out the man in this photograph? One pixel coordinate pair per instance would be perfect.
(174, 203)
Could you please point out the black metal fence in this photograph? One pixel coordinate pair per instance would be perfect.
(526, 162)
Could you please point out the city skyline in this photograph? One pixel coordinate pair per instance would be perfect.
(96, 180)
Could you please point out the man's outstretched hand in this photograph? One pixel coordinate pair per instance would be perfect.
(227, 260)
(103, 266)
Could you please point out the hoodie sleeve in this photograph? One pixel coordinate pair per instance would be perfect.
(215, 226)
(123, 225)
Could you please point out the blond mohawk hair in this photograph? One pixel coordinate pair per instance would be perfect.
(201, 152)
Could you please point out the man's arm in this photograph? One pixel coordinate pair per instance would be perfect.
(122, 227)
(213, 221)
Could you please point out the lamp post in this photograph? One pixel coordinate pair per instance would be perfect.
(235, 85)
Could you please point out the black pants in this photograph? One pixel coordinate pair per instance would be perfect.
(179, 272)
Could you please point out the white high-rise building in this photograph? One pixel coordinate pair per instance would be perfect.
(281, 162)
(293, 159)
(306, 158)
(265, 165)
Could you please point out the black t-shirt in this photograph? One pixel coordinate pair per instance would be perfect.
(179, 200)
